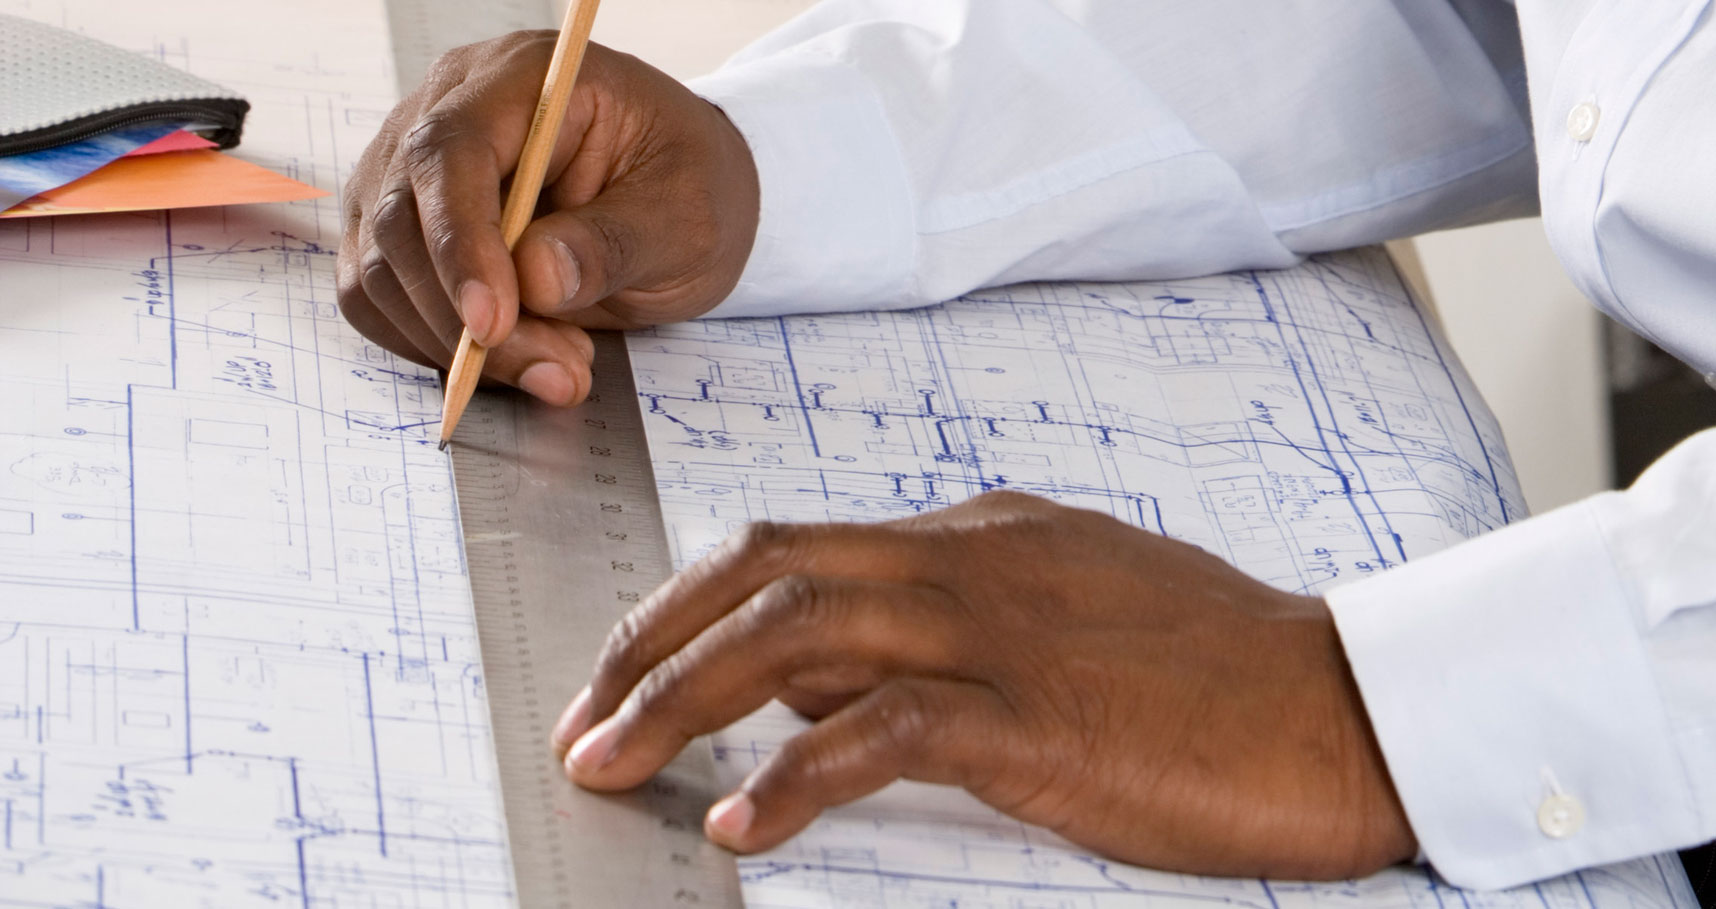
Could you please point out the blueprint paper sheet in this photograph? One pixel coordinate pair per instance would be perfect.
(238, 664)
(1307, 425)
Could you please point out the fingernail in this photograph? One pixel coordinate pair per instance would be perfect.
(547, 381)
(567, 266)
(596, 749)
(477, 308)
(731, 817)
(573, 721)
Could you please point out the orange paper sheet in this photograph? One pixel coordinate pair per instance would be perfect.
(183, 179)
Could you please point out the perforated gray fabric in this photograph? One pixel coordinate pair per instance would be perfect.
(51, 80)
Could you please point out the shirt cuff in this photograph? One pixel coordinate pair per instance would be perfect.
(1510, 688)
(836, 231)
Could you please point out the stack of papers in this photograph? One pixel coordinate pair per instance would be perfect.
(137, 168)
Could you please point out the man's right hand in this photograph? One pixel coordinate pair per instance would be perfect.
(647, 215)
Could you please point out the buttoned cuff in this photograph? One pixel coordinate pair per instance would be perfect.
(836, 231)
(1510, 689)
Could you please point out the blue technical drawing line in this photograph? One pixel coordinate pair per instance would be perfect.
(375, 757)
(1316, 421)
(303, 871)
(969, 460)
(172, 301)
(131, 490)
(798, 390)
(1358, 468)
(186, 652)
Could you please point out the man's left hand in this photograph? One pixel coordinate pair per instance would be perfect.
(1134, 694)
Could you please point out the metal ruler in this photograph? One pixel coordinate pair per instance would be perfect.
(422, 30)
(563, 535)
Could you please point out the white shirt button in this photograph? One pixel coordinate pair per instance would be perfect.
(1560, 816)
(1582, 121)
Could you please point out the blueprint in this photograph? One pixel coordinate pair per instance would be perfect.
(238, 665)
(1309, 426)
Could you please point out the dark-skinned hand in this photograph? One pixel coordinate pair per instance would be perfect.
(647, 215)
(1134, 694)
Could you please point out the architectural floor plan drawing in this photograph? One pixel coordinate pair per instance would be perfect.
(238, 662)
(238, 665)
(1308, 425)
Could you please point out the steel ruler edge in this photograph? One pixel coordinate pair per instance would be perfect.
(563, 535)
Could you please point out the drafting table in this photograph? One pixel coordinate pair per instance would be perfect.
(238, 664)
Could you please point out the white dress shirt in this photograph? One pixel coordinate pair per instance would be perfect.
(1545, 695)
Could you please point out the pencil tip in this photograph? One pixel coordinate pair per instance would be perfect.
(443, 445)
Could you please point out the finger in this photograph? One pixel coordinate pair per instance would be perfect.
(930, 730)
(814, 705)
(550, 360)
(794, 625)
(454, 160)
(359, 310)
(396, 232)
(382, 286)
(547, 359)
(743, 564)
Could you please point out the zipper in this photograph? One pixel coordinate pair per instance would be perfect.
(220, 120)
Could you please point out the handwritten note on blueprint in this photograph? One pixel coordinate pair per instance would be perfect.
(1307, 425)
(238, 664)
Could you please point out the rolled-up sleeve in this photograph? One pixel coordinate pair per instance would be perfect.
(910, 152)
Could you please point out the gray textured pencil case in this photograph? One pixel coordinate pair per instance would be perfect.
(57, 87)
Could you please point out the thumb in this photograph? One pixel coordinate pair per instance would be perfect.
(570, 260)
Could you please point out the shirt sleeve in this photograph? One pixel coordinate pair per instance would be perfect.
(1545, 696)
(910, 152)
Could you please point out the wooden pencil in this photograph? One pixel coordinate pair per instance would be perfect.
(526, 186)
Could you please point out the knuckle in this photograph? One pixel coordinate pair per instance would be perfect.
(373, 270)
(795, 602)
(349, 293)
(451, 66)
(422, 149)
(659, 687)
(622, 655)
(903, 719)
(802, 764)
(1008, 500)
(762, 541)
(619, 243)
(394, 214)
(444, 240)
